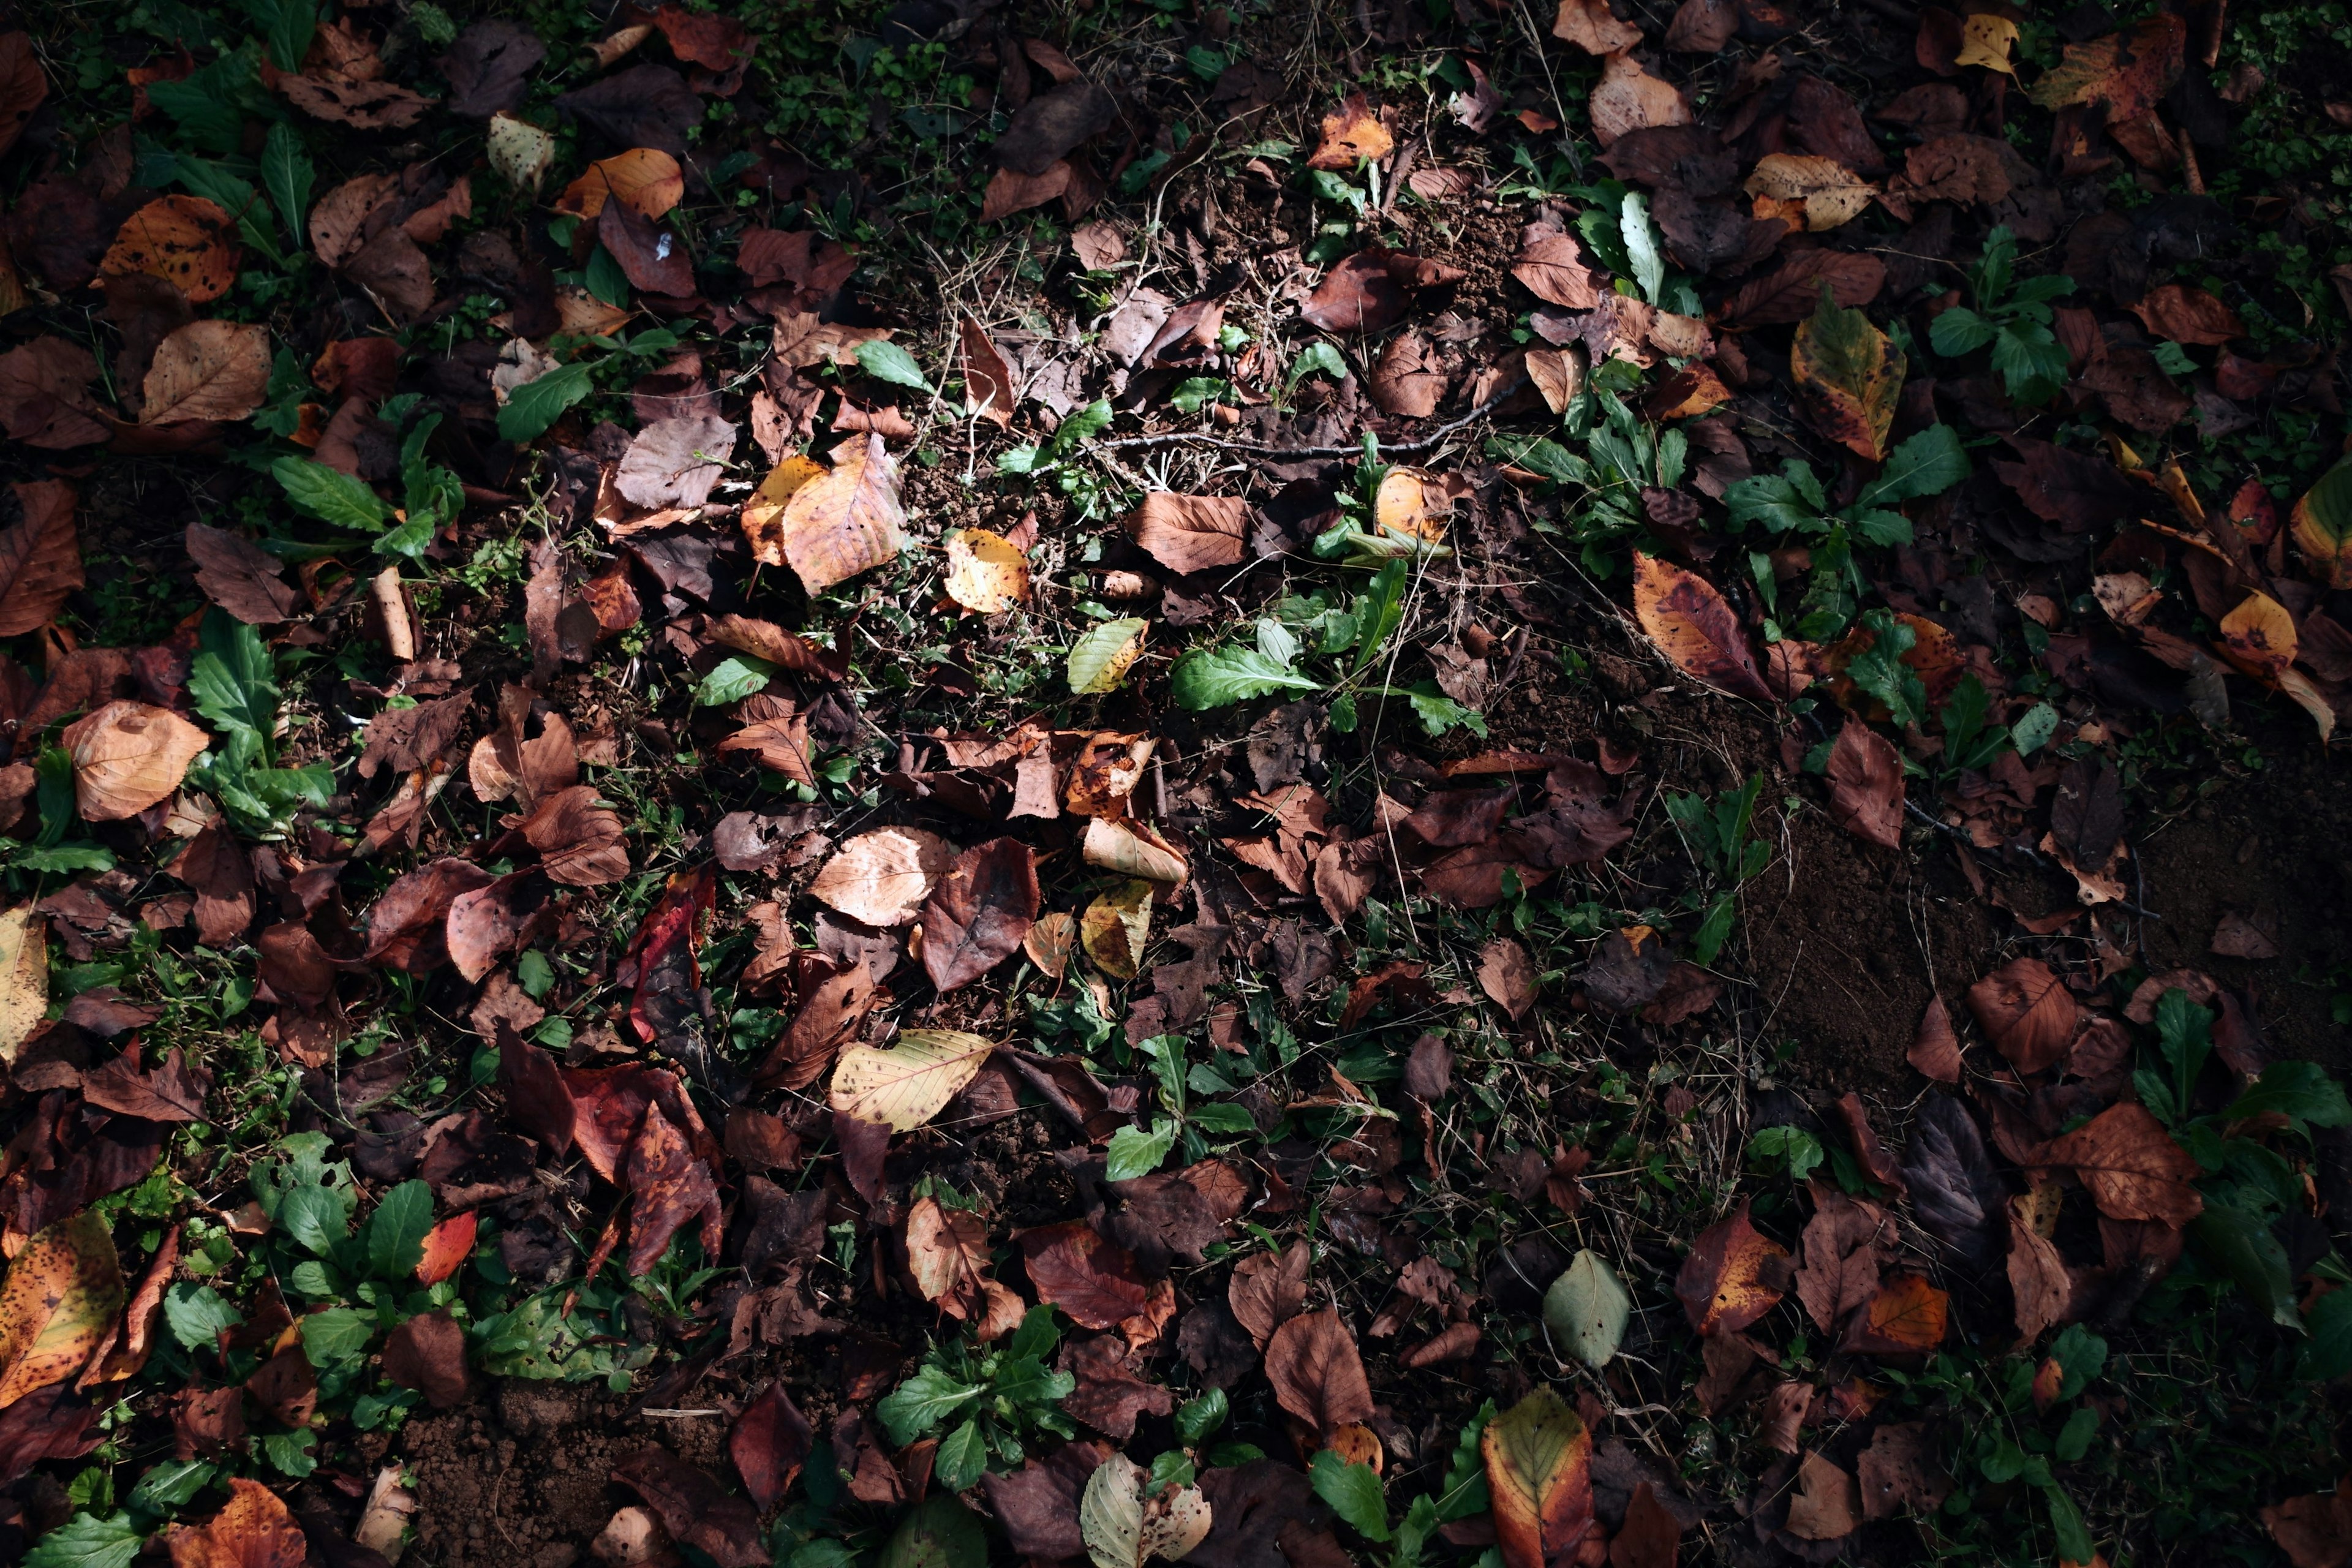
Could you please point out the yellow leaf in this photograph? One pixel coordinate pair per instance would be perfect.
(986, 573)
(1116, 926)
(2259, 637)
(843, 521)
(58, 1302)
(1985, 40)
(905, 1086)
(24, 977)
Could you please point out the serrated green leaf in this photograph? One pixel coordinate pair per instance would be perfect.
(885, 361)
(1137, 1153)
(1353, 1492)
(86, 1541)
(330, 495)
(537, 405)
(1099, 660)
(197, 1315)
(916, 1406)
(1585, 1309)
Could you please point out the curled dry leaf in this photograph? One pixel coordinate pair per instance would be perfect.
(1538, 1463)
(1133, 849)
(904, 1086)
(2026, 1011)
(127, 756)
(581, 844)
(1124, 1522)
(1732, 1277)
(988, 387)
(835, 525)
(1809, 192)
(1690, 623)
(1115, 926)
(987, 573)
(1866, 784)
(1317, 1373)
(883, 877)
(1354, 132)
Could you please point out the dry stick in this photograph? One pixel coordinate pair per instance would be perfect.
(1290, 454)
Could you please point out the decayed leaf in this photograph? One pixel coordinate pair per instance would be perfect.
(837, 525)
(2259, 637)
(1507, 976)
(57, 1304)
(883, 877)
(1828, 1504)
(1865, 777)
(984, 904)
(1353, 133)
(185, 240)
(987, 388)
(1100, 659)
(904, 1086)
(2322, 522)
(1590, 26)
(24, 977)
(1934, 1050)
(1732, 1277)
(645, 179)
(581, 844)
(254, 1530)
(1317, 1373)
(1814, 193)
(1692, 626)
(208, 369)
(2131, 1165)
(947, 1252)
(1115, 926)
(2026, 1011)
(1848, 376)
(1628, 98)
(1190, 533)
(2127, 71)
(987, 573)
(40, 557)
(1124, 1528)
(127, 756)
(1539, 1461)
(521, 152)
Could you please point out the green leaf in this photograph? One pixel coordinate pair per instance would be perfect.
(170, 1485)
(916, 1406)
(963, 1456)
(289, 26)
(1196, 393)
(2030, 363)
(2074, 1537)
(330, 495)
(313, 1216)
(2329, 1323)
(2240, 1246)
(1775, 501)
(1136, 1152)
(940, 1533)
(2073, 1440)
(288, 172)
(1098, 660)
(1319, 358)
(1353, 1492)
(294, 1454)
(2033, 732)
(337, 1337)
(1793, 1148)
(209, 105)
(1214, 677)
(1929, 463)
(885, 361)
(1438, 712)
(2302, 1091)
(1224, 1118)
(533, 407)
(86, 1541)
(1380, 611)
(233, 679)
(605, 280)
(197, 1315)
(1642, 251)
(1196, 1418)
(535, 1339)
(1959, 330)
(1587, 1308)
(396, 1231)
(732, 678)
(232, 196)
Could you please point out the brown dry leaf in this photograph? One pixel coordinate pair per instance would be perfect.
(208, 369)
(947, 1252)
(1691, 624)
(1266, 1290)
(1508, 975)
(1538, 1463)
(987, 388)
(1590, 26)
(1317, 1373)
(1934, 1050)
(1555, 270)
(1905, 1315)
(185, 240)
(1628, 98)
(1828, 1504)
(24, 977)
(2131, 1165)
(883, 877)
(240, 576)
(1848, 376)
(2037, 1274)
(906, 1086)
(1866, 775)
(1410, 377)
(127, 756)
(1133, 849)
(1115, 926)
(2188, 315)
(23, 87)
(1812, 192)
(40, 557)
(1732, 1277)
(984, 904)
(45, 396)
(57, 1304)
(645, 179)
(1190, 533)
(843, 521)
(581, 844)
(1072, 1267)
(1356, 133)
(1049, 943)
(2026, 1011)
(987, 573)
(254, 1530)
(2314, 1530)
(2129, 72)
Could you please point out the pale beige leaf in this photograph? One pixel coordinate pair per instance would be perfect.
(1123, 1528)
(208, 369)
(905, 1086)
(521, 152)
(127, 756)
(845, 521)
(24, 977)
(883, 877)
(1133, 850)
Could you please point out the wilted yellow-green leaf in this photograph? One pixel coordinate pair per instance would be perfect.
(58, 1302)
(1848, 375)
(1540, 1475)
(1116, 926)
(905, 1086)
(1099, 660)
(2323, 526)
(24, 977)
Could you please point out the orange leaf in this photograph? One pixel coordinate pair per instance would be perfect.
(57, 1304)
(646, 180)
(2259, 637)
(2133, 1168)
(253, 1532)
(40, 557)
(840, 522)
(447, 1247)
(1732, 1277)
(127, 756)
(1688, 619)
(1848, 376)
(1906, 1317)
(947, 1251)
(1590, 26)
(1866, 784)
(181, 239)
(1355, 132)
(1539, 1476)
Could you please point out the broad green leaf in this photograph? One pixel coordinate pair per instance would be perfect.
(1774, 502)
(233, 679)
(606, 279)
(916, 1406)
(209, 104)
(2030, 363)
(396, 1231)
(1929, 463)
(1959, 330)
(86, 1541)
(2328, 1355)
(289, 25)
(1099, 660)
(2033, 732)
(1196, 1418)
(1137, 1153)
(169, 1484)
(330, 495)
(2301, 1090)
(1642, 251)
(287, 170)
(885, 361)
(337, 1337)
(197, 1315)
(1585, 1309)
(963, 1456)
(535, 1339)
(2240, 1245)
(1353, 1492)
(732, 678)
(1214, 677)
(1319, 358)
(313, 1216)
(533, 407)
(234, 197)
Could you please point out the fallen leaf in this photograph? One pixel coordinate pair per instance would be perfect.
(427, 1352)
(24, 977)
(1731, 1277)
(1115, 926)
(983, 905)
(838, 523)
(1587, 1309)
(2314, 1530)
(1828, 1504)
(521, 152)
(2259, 637)
(1590, 26)
(2027, 1012)
(1866, 776)
(127, 756)
(694, 1507)
(906, 1086)
(1848, 376)
(40, 557)
(447, 1247)
(2322, 522)
(1356, 133)
(240, 576)
(2131, 1165)
(1133, 849)
(1125, 1523)
(770, 1442)
(675, 462)
(253, 1531)
(1190, 533)
(987, 573)
(23, 87)
(57, 1304)
(1956, 1194)
(947, 1252)
(1538, 1463)
(1317, 1375)
(581, 843)
(1071, 1266)
(45, 396)
(2128, 72)
(1050, 126)
(1554, 269)
(1507, 976)
(185, 240)
(1627, 99)
(488, 67)
(1906, 1316)
(208, 369)
(1689, 622)
(1650, 1536)
(1267, 1291)
(882, 877)
(646, 179)
(2187, 315)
